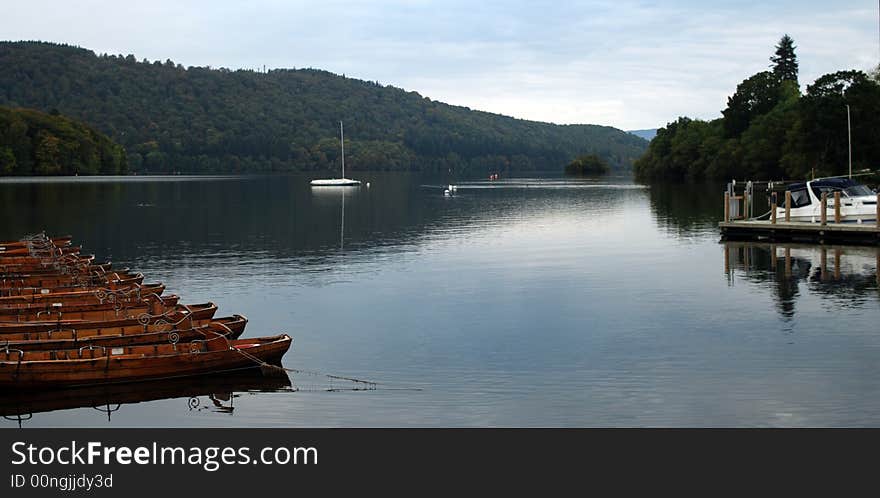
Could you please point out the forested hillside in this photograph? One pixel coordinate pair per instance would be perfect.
(199, 119)
(35, 143)
(770, 131)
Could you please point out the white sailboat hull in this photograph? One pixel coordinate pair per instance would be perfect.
(336, 182)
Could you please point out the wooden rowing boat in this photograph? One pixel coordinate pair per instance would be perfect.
(99, 365)
(230, 327)
(132, 293)
(178, 316)
(20, 265)
(40, 239)
(85, 269)
(55, 284)
(49, 312)
(26, 255)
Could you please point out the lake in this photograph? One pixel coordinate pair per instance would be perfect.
(520, 302)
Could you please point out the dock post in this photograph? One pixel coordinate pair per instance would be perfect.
(824, 207)
(787, 206)
(726, 207)
(836, 207)
(773, 208)
(746, 205)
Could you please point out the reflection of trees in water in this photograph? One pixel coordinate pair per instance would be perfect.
(276, 216)
(845, 274)
(686, 208)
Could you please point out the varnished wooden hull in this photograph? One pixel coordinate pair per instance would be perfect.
(91, 312)
(229, 327)
(60, 241)
(68, 283)
(30, 264)
(101, 295)
(84, 269)
(35, 370)
(25, 255)
(176, 315)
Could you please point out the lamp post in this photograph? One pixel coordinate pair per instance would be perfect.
(849, 139)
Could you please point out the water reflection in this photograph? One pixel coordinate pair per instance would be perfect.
(283, 218)
(215, 393)
(687, 210)
(846, 275)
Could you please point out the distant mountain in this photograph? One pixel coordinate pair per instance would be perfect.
(199, 119)
(646, 134)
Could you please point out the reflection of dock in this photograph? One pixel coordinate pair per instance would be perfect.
(848, 275)
(822, 263)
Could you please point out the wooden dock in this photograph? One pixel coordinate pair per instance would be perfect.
(737, 226)
(830, 233)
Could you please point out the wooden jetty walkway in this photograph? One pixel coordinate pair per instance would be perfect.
(736, 226)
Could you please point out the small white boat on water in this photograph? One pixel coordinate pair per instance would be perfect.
(338, 182)
(858, 203)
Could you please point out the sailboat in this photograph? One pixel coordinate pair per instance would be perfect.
(338, 182)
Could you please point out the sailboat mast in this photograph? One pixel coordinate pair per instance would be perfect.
(342, 139)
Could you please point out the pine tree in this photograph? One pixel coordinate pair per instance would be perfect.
(785, 64)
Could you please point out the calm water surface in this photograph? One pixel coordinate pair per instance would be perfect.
(525, 302)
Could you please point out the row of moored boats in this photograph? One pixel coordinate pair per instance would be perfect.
(66, 321)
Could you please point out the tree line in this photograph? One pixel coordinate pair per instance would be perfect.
(769, 130)
(36, 143)
(200, 119)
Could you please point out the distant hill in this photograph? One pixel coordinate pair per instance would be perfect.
(35, 143)
(199, 119)
(646, 134)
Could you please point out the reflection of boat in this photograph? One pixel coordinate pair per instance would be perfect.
(338, 182)
(100, 365)
(858, 203)
(219, 386)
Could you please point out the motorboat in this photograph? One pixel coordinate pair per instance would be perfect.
(858, 203)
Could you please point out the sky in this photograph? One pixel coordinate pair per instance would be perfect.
(627, 64)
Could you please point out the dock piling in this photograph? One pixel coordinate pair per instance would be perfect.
(824, 214)
(836, 207)
(787, 206)
(773, 208)
(726, 207)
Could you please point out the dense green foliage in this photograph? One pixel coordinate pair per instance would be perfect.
(589, 164)
(35, 143)
(770, 131)
(199, 119)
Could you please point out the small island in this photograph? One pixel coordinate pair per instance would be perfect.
(589, 164)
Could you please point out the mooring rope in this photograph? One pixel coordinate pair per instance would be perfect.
(264, 365)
